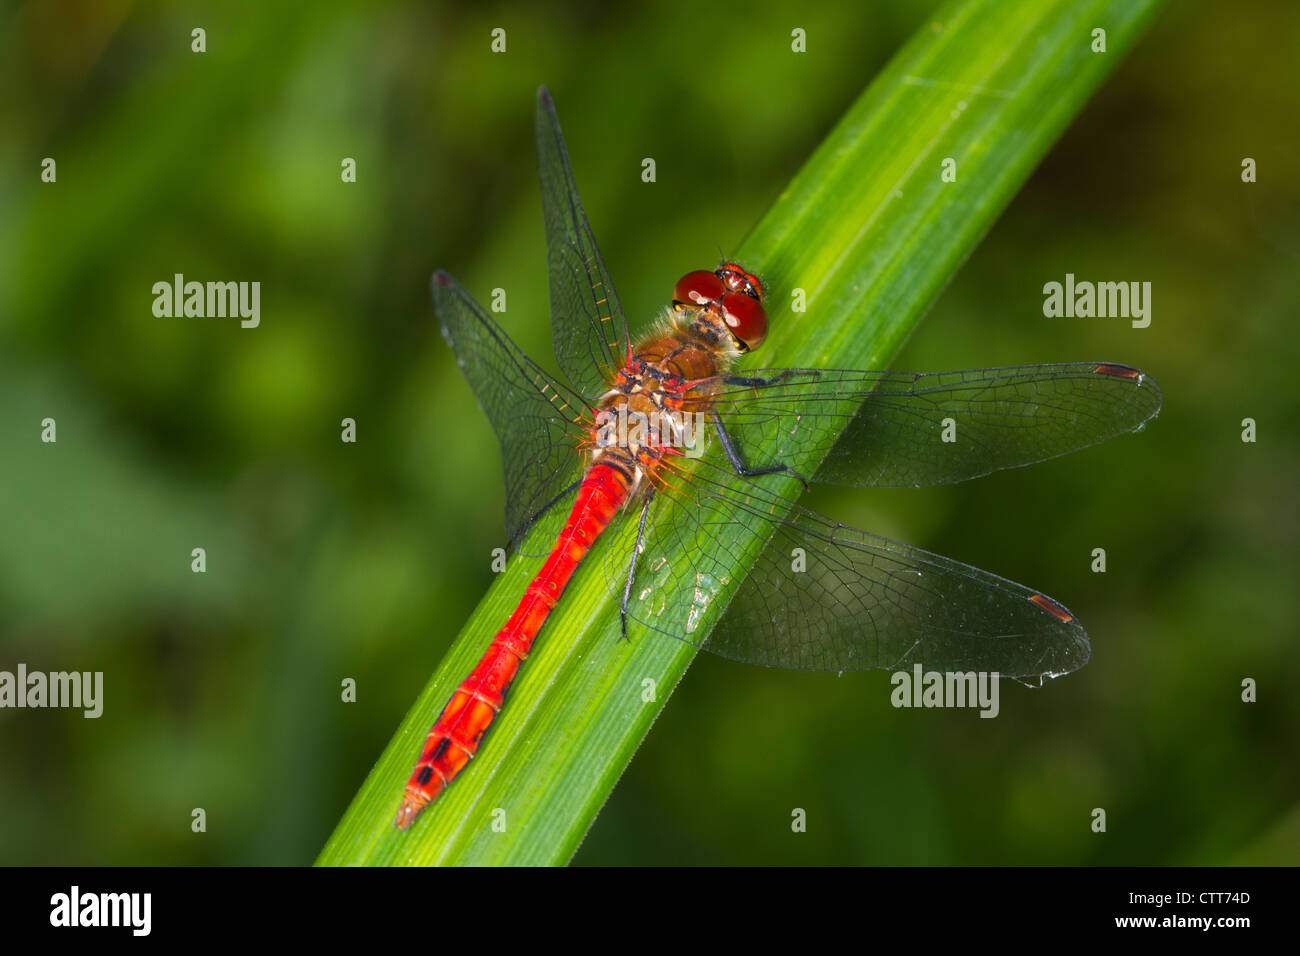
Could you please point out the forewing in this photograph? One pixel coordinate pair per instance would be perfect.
(901, 429)
(538, 421)
(587, 323)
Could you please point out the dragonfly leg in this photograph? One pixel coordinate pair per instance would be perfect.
(738, 462)
(631, 568)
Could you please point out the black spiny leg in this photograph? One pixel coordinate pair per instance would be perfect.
(636, 553)
(738, 463)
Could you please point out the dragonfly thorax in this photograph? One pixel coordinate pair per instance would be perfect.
(658, 404)
(640, 419)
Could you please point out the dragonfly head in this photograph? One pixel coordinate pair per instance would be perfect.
(733, 295)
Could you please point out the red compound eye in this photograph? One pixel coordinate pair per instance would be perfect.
(745, 317)
(699, 287)
(739, 280)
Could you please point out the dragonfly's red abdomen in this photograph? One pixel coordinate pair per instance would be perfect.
(460, 727)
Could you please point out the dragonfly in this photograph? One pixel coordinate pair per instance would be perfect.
(704, 457)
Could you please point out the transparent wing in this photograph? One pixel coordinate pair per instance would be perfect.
(902, 429)
(825, 596)
(587, 323)
(539, 422)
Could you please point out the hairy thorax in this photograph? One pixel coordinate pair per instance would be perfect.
(658, 403)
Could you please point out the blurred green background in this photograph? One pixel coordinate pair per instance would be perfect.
(328, 560)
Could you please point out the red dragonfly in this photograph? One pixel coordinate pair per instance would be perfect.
(821, 596)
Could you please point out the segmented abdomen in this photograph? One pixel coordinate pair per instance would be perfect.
(460, 727)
